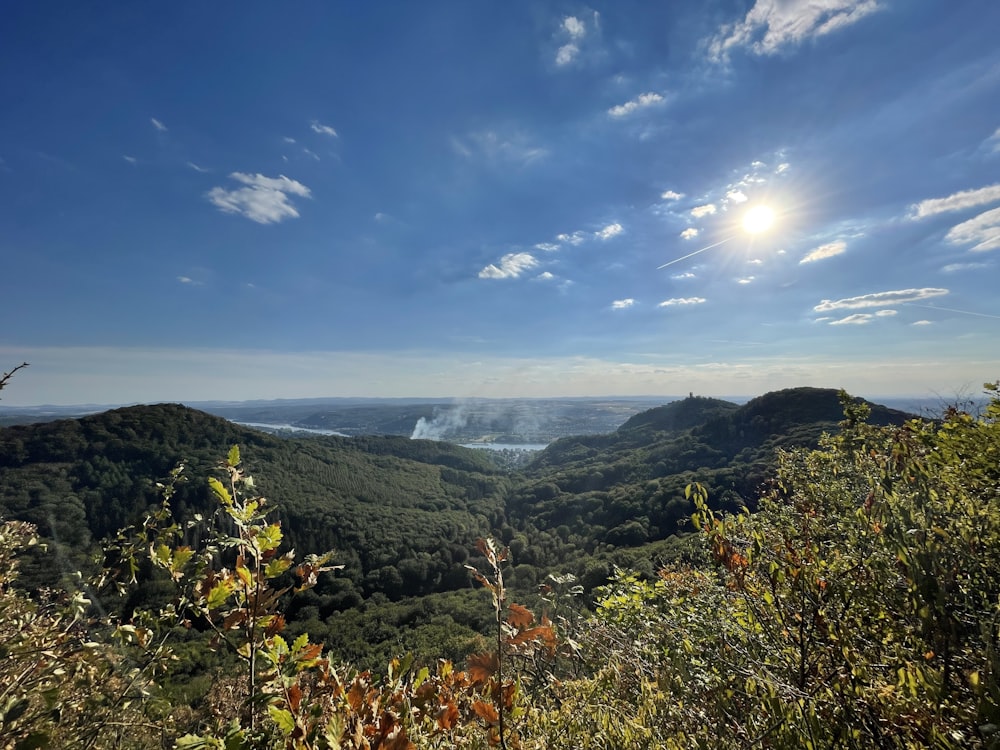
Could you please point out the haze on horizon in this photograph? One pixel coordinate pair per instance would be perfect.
(221, 202)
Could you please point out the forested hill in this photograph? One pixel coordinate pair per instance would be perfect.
(403, 515)
(627, 488)
(379, 501)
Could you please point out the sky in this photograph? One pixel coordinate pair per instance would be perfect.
(478, 199)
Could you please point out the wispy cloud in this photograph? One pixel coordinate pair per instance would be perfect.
(689, 234)
(622, 304)
(676, 301)
(611, 230)
(287, 139)
(746, 280)
(736, 196)
(771, 25)
(158, 125)
(879, 299)
(886, 313)
(982, 232)
(129, 159)
(956, 202)
(700, 211)
(196, 168)
(671, 195)
(921, 323)
(547, 247)
(497, 148)
(317, 127)
(955, 267)
(262, 199)
(545, 276)
(993, 142)
(857, 319)
(822, 252)
(649, 99)
(683, 276)
(510, 266)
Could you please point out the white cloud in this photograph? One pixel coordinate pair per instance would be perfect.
(736, 196)
(318, 127)
(886, 313)
(611, 230)
(920, 323)
(511, 266)
(699, 211)
(671, 195)
(953, 267)
(185, 279)
(782, 168)
(857, 319)
(129, 159)
(683, 276)
(196, 168)
(825, 251)
(545, 276)
(311, 154)
(642, 101)
(879, 299)
(755, 262)
(674, 301)
(548, 247)
(622, 304)
(264, 199)
(984, 230)
(771, 25)
(571, 239)
(286, 139)
(566, 54)
(574, 27)
(689, 233)
(572, 30)
(158, 125)
(746, 280)
(955, 202)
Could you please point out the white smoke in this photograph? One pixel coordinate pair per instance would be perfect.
(444, 421)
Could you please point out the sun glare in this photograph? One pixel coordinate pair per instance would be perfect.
(758, 219)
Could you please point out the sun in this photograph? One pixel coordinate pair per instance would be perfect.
(758, 219)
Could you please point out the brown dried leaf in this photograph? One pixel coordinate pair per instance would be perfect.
(486, 712)
(519, 617)
(483, 666)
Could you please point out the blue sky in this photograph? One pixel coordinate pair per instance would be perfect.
(261, 200)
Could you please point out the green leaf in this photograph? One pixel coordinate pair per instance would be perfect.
(233, 459)
(283, 718)
(276, 567)
(219, 594)
(220, 491)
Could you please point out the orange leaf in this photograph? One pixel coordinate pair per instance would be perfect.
(448, 717)
(486, 712)
(541, 634)
(483, 666)
(294, 698)
(519, 617)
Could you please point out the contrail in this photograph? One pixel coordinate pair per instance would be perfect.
(951, 309)
(689, 255)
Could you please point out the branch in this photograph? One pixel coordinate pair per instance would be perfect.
(7, 375)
